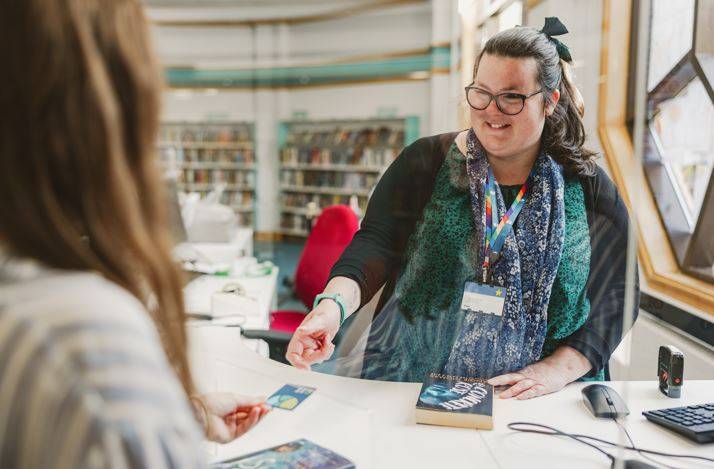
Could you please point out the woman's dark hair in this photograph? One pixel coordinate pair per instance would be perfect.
(563, 133)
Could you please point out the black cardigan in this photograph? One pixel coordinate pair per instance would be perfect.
(376, 255)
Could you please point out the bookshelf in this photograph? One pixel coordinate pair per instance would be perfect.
(208, 154)
(324, 163)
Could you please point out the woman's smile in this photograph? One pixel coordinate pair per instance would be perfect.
(498, 127)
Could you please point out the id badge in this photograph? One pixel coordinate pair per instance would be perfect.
(483, 298)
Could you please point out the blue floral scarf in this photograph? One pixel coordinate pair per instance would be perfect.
(488, 345)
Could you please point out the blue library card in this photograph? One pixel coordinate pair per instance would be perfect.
(288, 397)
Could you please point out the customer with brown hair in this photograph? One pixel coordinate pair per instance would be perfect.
(93, 365)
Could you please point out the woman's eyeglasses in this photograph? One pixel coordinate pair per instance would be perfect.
(508, 103)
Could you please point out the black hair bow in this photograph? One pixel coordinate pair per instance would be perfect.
(553, 27)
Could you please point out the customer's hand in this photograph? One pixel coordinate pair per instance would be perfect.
(226, 416)
(545, 376)
(312, 341)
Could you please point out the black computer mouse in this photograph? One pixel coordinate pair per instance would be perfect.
(636, 464)
(604, 402)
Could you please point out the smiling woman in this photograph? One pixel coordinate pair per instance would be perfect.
(513, 204)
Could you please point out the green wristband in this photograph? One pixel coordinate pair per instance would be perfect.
(337, 298)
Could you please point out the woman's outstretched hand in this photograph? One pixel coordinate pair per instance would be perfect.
(312, 341)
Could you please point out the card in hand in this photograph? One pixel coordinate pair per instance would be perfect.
(288, 397)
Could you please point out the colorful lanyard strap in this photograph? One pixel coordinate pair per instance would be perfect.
(497, 231)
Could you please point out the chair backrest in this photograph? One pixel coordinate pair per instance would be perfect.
(331, 234)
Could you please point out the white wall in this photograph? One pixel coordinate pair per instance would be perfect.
(207, 105)
(398, 28)
(362, 101)
(446, 90)
(205, 47)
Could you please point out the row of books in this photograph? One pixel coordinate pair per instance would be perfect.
(341, 136)
(237, 198)
(216, 176)
(192, 133)
(221, 155)
(294, 222)
(300, 200)
(371, 157)
(244, 218)
(332, 179)
(366, 147)
(204, 155)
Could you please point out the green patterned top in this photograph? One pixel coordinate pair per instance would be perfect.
(437, 251)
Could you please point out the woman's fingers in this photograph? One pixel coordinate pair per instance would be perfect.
(221, 429)
(535, 391)
(249, 422)
(309, 345)
(508, 378)
(296, 349)
(519, 387)
(224, 428)
(322, 354)
(296, 360)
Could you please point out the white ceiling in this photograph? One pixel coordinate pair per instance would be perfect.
(252, 3)
(197, 11)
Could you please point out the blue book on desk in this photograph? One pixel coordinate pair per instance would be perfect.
(455, 401)
(302, 454)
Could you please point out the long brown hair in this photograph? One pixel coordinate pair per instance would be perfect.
(79, 184)
(563, 133)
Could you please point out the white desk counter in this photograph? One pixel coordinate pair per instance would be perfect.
(372, 422)
(566, 412)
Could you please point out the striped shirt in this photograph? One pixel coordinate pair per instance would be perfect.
(84, 381)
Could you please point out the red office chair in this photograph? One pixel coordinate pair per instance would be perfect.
(330, 235)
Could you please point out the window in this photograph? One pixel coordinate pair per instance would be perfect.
(679, 147)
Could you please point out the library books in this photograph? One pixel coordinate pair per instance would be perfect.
(455, 401)
(298, 453)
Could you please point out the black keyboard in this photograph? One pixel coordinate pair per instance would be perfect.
(696, 422)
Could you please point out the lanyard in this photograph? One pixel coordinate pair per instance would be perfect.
(497, 231)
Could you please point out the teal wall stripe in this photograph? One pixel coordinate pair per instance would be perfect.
(411, 130)
(282, 134)
(438, 57)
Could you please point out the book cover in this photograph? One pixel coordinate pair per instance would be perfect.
(300, 454)
(455, 401)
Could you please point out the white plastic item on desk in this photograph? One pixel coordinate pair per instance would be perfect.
(211, 223)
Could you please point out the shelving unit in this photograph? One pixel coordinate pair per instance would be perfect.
(324, 163)
(209, 154)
